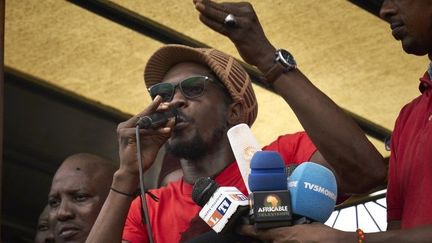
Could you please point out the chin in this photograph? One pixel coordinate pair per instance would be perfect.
(411, 47)
(176, 140)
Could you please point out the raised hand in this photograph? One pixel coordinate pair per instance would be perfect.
(151, 140)
(246, 32)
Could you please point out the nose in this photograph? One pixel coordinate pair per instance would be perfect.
(178, 100)
(64, 211)
(388, 9)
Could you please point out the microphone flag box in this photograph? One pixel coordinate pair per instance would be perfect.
(223, 206)
(271, 209)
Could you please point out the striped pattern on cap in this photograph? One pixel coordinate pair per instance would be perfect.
(229, 71)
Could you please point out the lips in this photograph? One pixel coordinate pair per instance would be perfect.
(181, 122)
(395, 25)
(68, 232)
(397, 29)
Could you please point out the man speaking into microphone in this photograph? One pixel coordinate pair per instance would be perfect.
(211, 93)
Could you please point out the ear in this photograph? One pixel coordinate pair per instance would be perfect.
(234, 113)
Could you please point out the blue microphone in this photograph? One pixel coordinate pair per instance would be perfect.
(267, 172)
(313, 191)
(270, 198)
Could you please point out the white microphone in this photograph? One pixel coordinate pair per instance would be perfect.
(244, 145)
(222, 206)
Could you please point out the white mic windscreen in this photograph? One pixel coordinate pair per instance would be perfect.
(244, 145)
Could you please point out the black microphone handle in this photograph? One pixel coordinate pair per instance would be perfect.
(156, 120)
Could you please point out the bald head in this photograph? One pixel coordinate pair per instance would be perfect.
(78, 191)
(88, 164)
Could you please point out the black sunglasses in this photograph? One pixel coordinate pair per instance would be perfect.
(191, 87)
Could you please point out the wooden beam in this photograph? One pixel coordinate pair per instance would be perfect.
(2, 24)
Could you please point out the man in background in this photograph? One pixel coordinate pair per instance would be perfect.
(78, 191)
(44, 231)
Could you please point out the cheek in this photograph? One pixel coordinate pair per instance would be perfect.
(419, 20)
(213, 115)
(90, 210)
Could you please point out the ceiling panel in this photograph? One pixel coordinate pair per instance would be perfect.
(78, 51)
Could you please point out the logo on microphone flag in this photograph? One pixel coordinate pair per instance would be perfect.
(219, 212)
(248, 152)
(272, 200)
(238, 197)
(222, 206)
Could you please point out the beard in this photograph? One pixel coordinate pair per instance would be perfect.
(196, 147)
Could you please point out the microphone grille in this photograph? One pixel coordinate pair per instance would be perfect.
(203, 189)
(156, 119)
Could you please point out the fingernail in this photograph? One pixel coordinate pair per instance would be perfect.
(164, 105)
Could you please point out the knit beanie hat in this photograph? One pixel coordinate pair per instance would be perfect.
(229, 71)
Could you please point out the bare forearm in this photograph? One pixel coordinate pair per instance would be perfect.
(358, 165)
(111, 219)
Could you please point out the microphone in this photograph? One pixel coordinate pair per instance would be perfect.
(270, 199)
(309, 195)
(156, 120)
(222, 206)
(244, 145)
(313, 191)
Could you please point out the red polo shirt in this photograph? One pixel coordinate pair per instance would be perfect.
(409, 192)
(175, 215)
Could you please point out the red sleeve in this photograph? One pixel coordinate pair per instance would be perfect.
(294, 148)
(134, 230)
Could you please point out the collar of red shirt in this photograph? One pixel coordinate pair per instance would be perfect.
(229, 176)
(430, 70)
(425, 81)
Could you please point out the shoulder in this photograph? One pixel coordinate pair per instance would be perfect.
(411, 112)
(287, 139)
(162, 192)
(408, 109)
(294, 148)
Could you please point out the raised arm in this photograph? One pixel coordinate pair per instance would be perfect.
(111, 220)
(358, 165)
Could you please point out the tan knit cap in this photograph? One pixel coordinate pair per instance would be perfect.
(229, 71)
